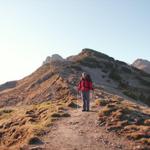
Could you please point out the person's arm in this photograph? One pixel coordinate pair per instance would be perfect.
(79, 86)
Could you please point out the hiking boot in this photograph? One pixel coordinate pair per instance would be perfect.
(83, 110)
(88, 110)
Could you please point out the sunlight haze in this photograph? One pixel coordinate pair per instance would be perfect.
(31, 30)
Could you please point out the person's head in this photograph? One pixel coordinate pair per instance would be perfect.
(83, 75)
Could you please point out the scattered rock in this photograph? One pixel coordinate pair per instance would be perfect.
(73, 105)
(35, 141)
(147, 122)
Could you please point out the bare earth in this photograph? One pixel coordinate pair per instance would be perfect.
(81, 132)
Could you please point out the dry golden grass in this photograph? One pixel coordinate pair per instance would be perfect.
(126, 118)
(20, 124)
(6, 113)
(101, 102)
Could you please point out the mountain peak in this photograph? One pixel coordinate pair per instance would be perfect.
(142, 64)
(87, 52)
(54, 57)
(141, 60)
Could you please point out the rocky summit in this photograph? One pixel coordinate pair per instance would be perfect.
(54, 57)
(142, 64)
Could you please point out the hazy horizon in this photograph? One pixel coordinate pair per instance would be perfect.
(31, 30)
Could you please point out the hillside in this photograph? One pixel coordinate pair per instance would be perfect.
(142, 65)
(46, 82)
(32, 108)
(114, 75)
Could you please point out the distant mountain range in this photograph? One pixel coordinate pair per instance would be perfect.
(142, 64)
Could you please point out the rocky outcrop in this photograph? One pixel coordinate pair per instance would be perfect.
(142, 65)
(53, 58)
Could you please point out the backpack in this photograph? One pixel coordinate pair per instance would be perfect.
(88, 78)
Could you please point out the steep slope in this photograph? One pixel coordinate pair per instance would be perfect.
(44, 84)
(142, 65)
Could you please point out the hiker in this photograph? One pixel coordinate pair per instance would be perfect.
(85, 85)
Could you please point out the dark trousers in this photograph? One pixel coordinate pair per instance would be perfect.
(86, 99)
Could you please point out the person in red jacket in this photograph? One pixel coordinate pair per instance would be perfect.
(85, 85)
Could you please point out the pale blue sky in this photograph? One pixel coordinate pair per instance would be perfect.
(30, 30)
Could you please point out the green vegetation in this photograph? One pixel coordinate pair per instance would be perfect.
(101, 102)
(90, 62)
(130, 94)
(108, 65)
(143, 81)
(97, 54)
(146, 100)
(120, 62)
(115, 75)
(137, 95)
(75, 66)
(101, 55)
(142, 73)
(126, 70)
(123, 84)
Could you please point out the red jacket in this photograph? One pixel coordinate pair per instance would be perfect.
(85, 85)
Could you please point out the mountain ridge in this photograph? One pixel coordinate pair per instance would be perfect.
(35, 109)
(105, 71)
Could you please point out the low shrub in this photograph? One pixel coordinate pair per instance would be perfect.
(101, 102)
(55, 114)
(115, 75)
(130, 94)
(89, 62)
(126, 70)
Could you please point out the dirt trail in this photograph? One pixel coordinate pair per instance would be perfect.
(81, 132)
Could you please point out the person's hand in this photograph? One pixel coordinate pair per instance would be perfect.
(78, 95)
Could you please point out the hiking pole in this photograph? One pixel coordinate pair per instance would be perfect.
(77, 98)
